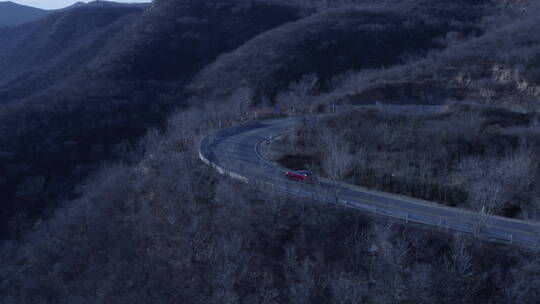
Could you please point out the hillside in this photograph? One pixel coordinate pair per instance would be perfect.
(15, 14)
(470, 49)
(337, 41)
(104, 198)
(86, 91)
(37, 55)
(485, 148)
(498, 67)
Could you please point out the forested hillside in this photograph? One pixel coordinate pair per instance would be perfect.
(104, 198)
(471, 157)
(498, 67)
(14, 14)
(39, 55)
(168, 229)
(102, 77)
(340, 40)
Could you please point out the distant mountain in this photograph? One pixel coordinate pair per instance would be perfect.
(107, 4)
(14, 14)
(35, 55)
(112, 3)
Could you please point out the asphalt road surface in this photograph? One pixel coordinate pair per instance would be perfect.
(235, 151)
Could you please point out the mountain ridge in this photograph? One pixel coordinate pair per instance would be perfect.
(12, 13)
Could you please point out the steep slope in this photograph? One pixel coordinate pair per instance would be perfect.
(336, 41)
(15, 14)
(498, 67)
(37, 55)
(170, 230)
(166, 229)
(59, 134)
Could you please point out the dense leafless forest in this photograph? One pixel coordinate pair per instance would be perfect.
(167, 229)
(104, 199)
(469, 156)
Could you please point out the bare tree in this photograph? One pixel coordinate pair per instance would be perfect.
(391, 267)
(304, 89)
(297, 98)
(346, 289)
(336, 160)
(242, 99)
(482, 179)
(301, 276)
(458, 271)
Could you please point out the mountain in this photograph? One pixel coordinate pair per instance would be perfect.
(340, 46)
(495, 64)
(80, 81)
(62, 42)
(112, 3)
(38, 56)
(103, 197)
(82, 85)
(334, 42)
(14, 14)
(107, 4)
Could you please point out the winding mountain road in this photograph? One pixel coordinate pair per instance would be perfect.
(235, 151)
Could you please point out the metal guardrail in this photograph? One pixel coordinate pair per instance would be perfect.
(396, 109)
(204, 155)
(407, 217)
(471, 226)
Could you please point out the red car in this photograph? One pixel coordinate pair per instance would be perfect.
(300, 175)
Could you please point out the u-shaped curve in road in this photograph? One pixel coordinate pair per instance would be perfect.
(234, 151)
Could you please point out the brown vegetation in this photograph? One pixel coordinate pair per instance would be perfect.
(169, 229)
(472, 157)
(161, 227)
(331, 43)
